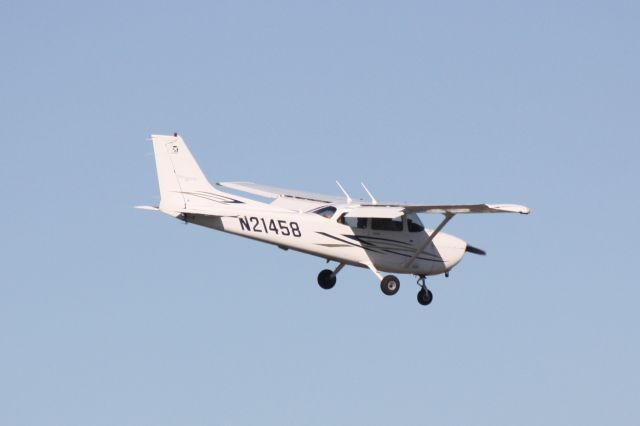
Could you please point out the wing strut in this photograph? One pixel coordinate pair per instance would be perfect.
(374, 270)
(447, 218)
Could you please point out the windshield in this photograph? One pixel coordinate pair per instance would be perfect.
(413, 223)
(326, 211)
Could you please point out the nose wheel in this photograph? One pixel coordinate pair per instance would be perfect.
(424, 295)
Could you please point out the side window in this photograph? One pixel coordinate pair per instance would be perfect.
(356, 222)
(382, 224)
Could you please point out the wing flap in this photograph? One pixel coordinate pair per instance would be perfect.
(382, 212)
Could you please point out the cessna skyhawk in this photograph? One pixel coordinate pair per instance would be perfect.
(383, 237)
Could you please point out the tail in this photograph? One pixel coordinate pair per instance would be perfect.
(182, 183)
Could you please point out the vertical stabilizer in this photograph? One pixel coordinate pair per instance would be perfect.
(179, 175)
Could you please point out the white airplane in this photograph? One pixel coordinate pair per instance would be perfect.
(383, 237)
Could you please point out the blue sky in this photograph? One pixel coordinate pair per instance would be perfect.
(109, 315)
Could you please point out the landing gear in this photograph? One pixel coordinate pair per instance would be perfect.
(390, 285)
(424, 295)
(326, 279)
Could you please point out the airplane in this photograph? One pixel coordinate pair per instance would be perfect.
(382, 237)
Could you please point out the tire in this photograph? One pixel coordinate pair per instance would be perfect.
(425, 297)
(390, 285)
(326, 279)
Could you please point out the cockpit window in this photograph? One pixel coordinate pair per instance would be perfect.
(413, 223)
(326, 212)
(383, 224)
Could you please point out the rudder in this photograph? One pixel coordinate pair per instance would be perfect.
(178, 173)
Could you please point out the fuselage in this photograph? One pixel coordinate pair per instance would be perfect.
(383, 237)
(387, 244)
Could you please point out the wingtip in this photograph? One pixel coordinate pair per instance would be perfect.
(510, 208)
(525, 210)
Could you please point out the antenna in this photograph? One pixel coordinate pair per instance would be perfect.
(373, 200)
(345, 193)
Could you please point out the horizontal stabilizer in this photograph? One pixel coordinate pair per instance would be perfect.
(152, 208)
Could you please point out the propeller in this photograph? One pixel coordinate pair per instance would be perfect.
(475, 250)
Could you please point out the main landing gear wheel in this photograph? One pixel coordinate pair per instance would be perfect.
(326, 279)
(425, 296)
(390, 285)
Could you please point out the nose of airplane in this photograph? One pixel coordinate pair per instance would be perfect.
(451, 249)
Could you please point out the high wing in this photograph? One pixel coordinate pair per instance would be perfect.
(382, 210)
(275, 192)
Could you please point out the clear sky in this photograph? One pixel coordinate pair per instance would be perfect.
(110, 315)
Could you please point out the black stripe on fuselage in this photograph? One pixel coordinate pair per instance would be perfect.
(420, 258)
(350, 243)
(363, 239)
